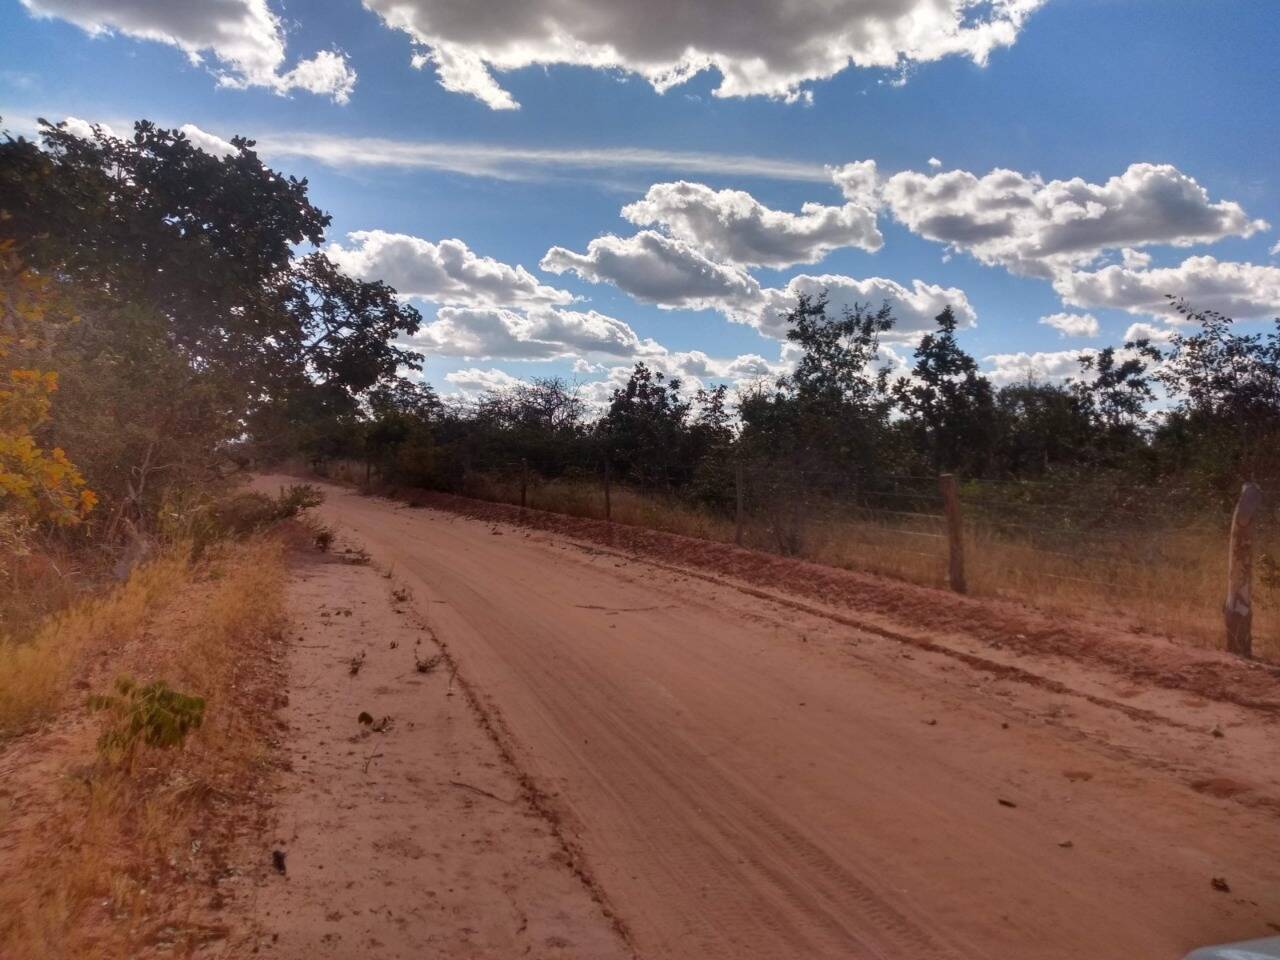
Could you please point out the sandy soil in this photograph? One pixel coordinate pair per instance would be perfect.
(409, 835)
(761, 767)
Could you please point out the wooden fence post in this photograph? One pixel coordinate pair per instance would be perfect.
(737, 520)
(608, 500)
(955, 531)
(524, 482)
(1238, 610)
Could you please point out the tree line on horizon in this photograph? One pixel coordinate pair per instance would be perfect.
(842, 414)
(168, 314)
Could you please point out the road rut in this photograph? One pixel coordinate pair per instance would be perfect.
(747, 780)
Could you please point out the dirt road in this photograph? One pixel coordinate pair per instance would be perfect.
(746, 778)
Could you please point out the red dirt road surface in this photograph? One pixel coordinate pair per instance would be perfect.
(750, 773)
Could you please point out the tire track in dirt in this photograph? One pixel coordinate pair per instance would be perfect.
(1253, 685)
(743, 778)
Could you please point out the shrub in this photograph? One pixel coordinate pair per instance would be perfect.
(154, 714)
(248, 513)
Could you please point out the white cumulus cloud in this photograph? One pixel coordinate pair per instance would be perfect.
(244, 36)
(446, 272)
(208, 142)
(84, 129)
(759, 47)
(1044, 366)
(733, 227)
(1041, 228)
(658, 269)
(544, 333)
(1072, 324)
(1241, 290)
(473, 380)
(1148, 331)
(914, 308)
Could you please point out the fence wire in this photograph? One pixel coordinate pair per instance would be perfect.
(1156, 558)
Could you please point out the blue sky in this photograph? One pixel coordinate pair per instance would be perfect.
(1086, 89)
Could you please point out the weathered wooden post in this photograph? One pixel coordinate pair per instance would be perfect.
(1238, 610)
(608, 500)
(524, 483)
(955, 531)
(737, 520)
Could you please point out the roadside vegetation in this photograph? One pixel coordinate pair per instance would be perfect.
(169, 321)
(120, 855)
(1109, 494)
(158, 305)
(139, 270)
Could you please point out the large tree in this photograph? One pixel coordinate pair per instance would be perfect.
(204, 309)
(1225, 422)
(832, 413)
(211, 245)
(645, 430)
(947, 403)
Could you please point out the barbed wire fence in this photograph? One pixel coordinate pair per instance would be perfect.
(1138, 557)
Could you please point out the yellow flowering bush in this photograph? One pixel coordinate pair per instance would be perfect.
(36, 485)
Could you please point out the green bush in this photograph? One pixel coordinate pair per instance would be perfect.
(155, 715)
(247, 513)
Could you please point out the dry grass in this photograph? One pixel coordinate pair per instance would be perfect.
(583, 499)
(1159, 580)
(35, 669)
(119, 861)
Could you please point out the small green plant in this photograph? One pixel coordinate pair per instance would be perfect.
(250, 512)
(153, 714)
(293, 500)
(323, 539)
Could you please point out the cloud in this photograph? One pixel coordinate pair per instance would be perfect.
(733, 227)
(208, 142)
(515, 162)
(463, 71)
(914, 308)
(447, 272)
(1241, 290)
(1072, 324)
(858, 181)
(1048, 366)
(657, 269)
(1135, 259)
(326, 73)
(484, 334)
(244, 36)
(1147, 331)
(1041, 228)
(935, 163)
(473, 380)
(695, 370)
(84, 129)
(759, 48)
(673, 274)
